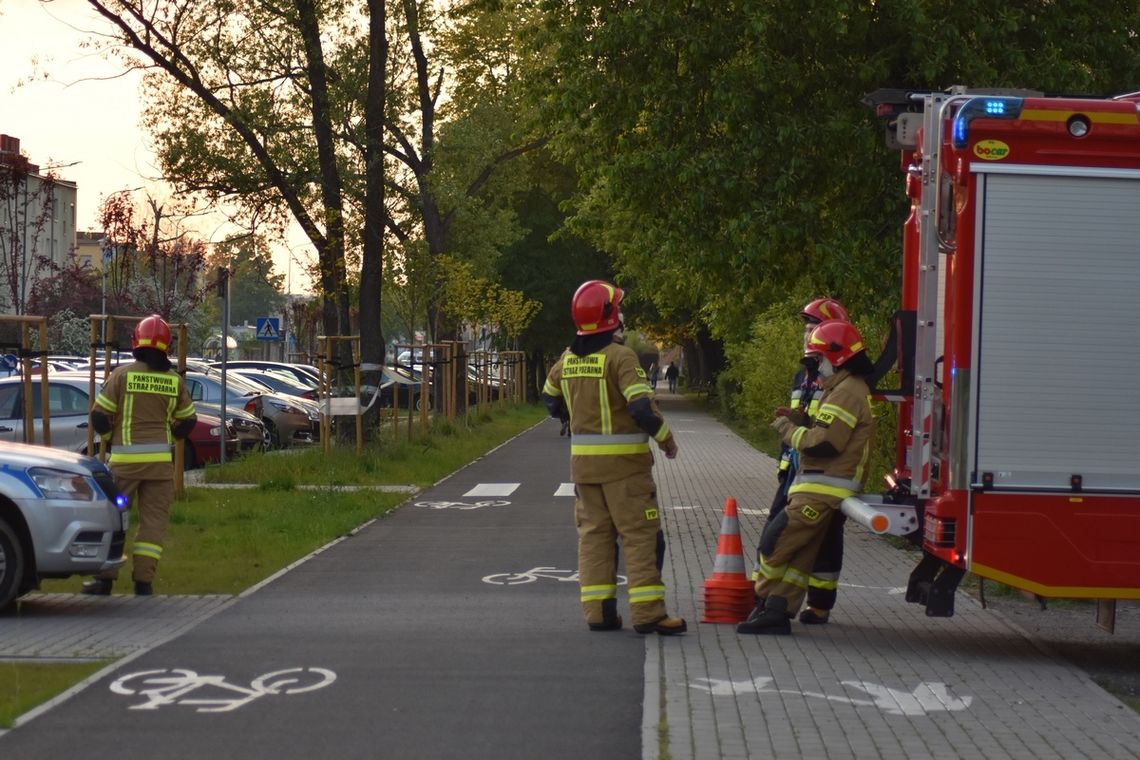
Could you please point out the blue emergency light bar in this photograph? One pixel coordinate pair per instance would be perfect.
(982, 108)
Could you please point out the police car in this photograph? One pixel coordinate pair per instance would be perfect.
(60, 515)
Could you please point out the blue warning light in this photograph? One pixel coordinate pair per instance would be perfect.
(982, 108)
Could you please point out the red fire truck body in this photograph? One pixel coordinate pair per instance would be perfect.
(1019, 322)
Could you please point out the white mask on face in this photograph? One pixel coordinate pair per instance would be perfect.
(825, 369)
(809, 328)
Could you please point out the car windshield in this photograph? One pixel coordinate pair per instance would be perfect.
(274, 380)
(236, 387)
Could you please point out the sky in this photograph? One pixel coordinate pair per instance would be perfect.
(84, 117)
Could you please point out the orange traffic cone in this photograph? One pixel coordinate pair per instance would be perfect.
(729, 592)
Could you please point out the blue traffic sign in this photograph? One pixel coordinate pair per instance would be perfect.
(268, 328)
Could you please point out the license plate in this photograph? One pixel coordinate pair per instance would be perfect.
(125, 514)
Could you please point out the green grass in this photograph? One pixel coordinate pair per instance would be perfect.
(421, 461)
(27, 684)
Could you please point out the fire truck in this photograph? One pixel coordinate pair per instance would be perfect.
(1016, 459)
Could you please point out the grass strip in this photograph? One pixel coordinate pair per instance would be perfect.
(27, 684)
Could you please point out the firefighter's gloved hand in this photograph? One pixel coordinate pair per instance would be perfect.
(781, 425)
(670, 448)
(795, 415)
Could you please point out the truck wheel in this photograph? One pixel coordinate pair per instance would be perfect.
(11, 565)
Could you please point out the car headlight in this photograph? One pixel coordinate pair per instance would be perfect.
(216, 431)
(60, 484)
(287, 408)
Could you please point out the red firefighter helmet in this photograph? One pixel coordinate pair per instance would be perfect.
(823, 309)
(595, 307)
(836, 340)
(152, 332)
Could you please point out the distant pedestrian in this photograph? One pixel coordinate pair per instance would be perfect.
(671, 374)
(613, 415)
(654, 371)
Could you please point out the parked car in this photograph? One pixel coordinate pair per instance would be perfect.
(251, 431)
(277, 382)
(289, 420)
(68, 405)
(399, 385)
(60, 515)
(306, 374)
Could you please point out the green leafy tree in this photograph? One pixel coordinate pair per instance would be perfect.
(246, 107)
(724, 153)
(255, 291)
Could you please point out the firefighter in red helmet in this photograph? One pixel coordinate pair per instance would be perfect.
(834, 450)
(142, 407)
(613, 415)
(806, 392)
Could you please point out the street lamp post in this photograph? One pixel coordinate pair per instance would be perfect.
(108, 256)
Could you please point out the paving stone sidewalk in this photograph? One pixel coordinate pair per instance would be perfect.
(881, 680)
(47, 627)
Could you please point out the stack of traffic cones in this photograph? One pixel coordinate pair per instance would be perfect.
(729, 592)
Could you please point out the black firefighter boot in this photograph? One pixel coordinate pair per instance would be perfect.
(611, 621)
(771, 618)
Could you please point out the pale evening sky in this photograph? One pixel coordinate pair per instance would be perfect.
(84, 113)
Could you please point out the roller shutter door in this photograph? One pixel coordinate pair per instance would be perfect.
(1057, 339)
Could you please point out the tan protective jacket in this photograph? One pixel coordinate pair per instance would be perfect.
(606, 443)
(143, 404)
(843, 420)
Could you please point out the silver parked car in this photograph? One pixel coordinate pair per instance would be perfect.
(60, 515)
(305, 374)
(289, 420)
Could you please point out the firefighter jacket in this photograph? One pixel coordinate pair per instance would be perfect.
(834, 447)
(806, 389)
(607, 443)
(142, 404)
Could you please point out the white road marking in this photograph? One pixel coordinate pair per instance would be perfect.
(493, 489)
(926, 698)
(565, 489)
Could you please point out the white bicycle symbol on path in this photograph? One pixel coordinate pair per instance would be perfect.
(171, 687)
(462, 504)
(535, 573)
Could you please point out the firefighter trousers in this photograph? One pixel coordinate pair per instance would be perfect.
(625, 509)
(824, 579)
(790, 545)
(153, 499)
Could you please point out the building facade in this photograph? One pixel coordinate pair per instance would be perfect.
(37, 225)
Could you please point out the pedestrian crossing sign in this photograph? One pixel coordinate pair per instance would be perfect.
(268, 328)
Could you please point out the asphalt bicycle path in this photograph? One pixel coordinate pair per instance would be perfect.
(389, 644)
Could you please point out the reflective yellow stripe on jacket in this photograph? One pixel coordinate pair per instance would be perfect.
(142, 452)
(592, 444)
(824, 484)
